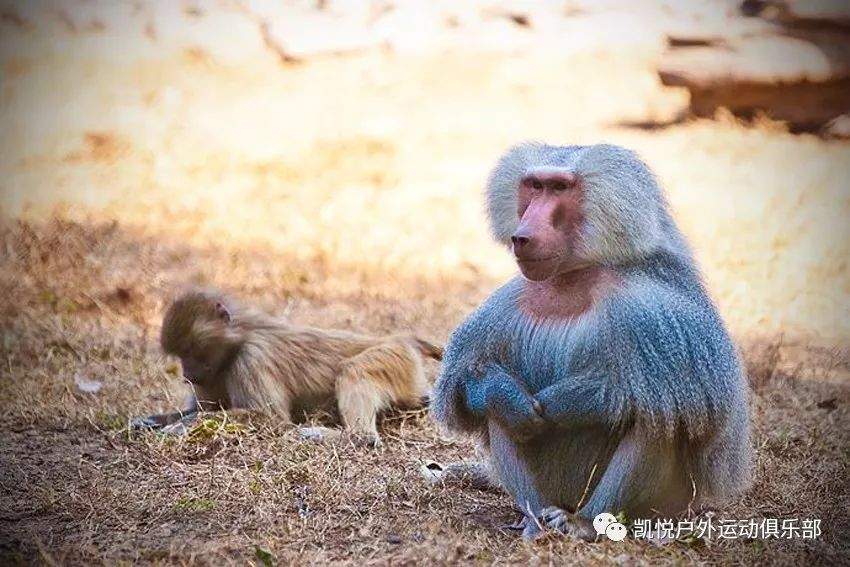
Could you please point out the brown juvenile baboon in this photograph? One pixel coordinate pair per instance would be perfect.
(239, 358)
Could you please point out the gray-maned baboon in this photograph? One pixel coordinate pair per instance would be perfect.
(604, 379)
(239, 358)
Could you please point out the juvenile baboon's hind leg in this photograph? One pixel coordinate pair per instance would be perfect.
(371, 381)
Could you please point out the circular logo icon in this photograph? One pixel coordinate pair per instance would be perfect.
(616, 531)
(602, 521)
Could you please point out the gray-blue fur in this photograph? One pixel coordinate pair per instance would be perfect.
(649, 371)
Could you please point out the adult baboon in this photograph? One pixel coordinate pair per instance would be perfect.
(605, 367)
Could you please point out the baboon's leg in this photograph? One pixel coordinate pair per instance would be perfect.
(370, 381)
(641, 473)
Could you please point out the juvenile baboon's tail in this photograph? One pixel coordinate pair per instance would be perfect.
(428, 349)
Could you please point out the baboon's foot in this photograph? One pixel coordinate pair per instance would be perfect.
(517, 526)
(563, 522)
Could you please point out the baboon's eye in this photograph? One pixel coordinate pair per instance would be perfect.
(534, 183)
(558, 186)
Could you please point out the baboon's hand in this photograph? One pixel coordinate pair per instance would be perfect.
(517, 411)
(162, 420)
(480, 376)
(145, 423)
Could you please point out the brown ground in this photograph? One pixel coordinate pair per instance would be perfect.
(345, 191)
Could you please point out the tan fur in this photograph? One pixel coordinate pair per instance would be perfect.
(254, 361)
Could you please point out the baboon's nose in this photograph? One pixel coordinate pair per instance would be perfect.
(519, 241)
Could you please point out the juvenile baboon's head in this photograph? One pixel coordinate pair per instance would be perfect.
(199, 328)
(562, 208)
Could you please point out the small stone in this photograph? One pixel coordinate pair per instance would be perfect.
(86, 385)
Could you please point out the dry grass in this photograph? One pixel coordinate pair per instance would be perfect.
(346, 192)
(78, 487)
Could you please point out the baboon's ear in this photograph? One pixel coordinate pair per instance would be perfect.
(223, 312)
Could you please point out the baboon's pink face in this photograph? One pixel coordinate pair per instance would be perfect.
(550, 211)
